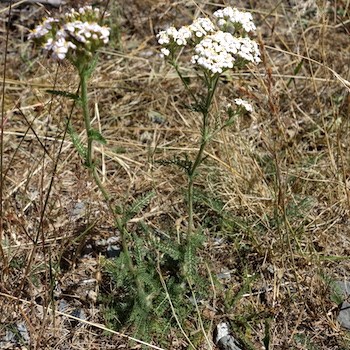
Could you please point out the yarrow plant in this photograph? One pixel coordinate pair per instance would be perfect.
(76, 37)
(217, 46)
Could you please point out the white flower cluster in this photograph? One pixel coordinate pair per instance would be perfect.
(201, 27)
(244, 104)
(77, 34)
(232, 17)
(43, 28)
(173, 37)
(58, 47)
(219, 51)
(85, 31)
(86, 13)
(216, 48)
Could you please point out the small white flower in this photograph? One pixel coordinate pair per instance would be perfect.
(48, 45)
(163, 37)
(104, 34)
(59, 47)
(164, 52)
(244, 104)
(249, 50)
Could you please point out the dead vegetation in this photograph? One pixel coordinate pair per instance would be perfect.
(273, 193)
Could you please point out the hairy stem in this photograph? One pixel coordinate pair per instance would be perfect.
(211, 83)
(87, 121)
(89, 162)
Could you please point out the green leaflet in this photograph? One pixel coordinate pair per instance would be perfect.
(136, 207)
(81, 149)
(96, 136)
(67, 94)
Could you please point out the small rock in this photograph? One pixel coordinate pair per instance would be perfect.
(23, 331)
(344, 312)
(113, 248)
(113, 251)
(228, 343)
(344, 315)
(62, 306)
(78, 210)
(79, 313)
(224, 275)
(92, 295)
(156, 117)
(344, 287)
(223, 339)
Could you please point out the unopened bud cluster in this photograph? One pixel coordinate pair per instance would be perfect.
(76, 36)
(217, 46)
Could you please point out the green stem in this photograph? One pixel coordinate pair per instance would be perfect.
(87, 121)
(184, 81)
(205, 137)
(89, 162)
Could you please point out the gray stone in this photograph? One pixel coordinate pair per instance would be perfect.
(224, 275)
(344, 287)
(23, 331)
(228, 343)
(223, 339)
(344, 315)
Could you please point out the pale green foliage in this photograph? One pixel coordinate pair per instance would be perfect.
(155, 259)
(136, 207)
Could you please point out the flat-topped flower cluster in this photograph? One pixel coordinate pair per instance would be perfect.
(217, 46)
(76, 36)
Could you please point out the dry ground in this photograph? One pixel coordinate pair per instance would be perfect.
(281, 175)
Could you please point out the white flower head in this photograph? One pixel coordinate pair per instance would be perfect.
(201, 27)
(244, 104)
(233, 17)
(59, 47)
(85, 14)
(167, 36)
(76, 36)
(183, 34)
(172, 36)
(164, 52)
(249, 50)
(219, 51)
(83, 31)
(42, 29)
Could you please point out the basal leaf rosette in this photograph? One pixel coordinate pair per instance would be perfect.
(76, 37)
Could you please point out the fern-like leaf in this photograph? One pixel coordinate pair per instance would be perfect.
(96, 136)
(137, 206)
(67, 94)
(184, 164)
(77, 141)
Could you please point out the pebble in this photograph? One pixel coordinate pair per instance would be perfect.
(344, 312)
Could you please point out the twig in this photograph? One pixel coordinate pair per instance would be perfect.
(55, 3)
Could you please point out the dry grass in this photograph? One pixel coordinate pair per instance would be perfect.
(282, 175)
